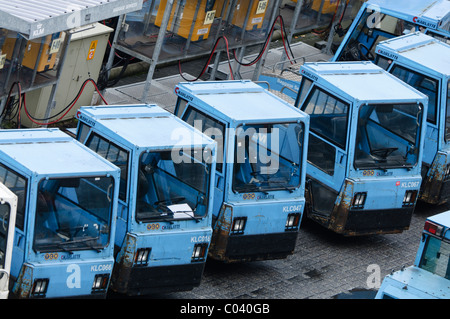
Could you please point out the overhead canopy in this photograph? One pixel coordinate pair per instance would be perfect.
(38, 18)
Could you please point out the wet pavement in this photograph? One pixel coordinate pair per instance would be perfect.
(325, 265)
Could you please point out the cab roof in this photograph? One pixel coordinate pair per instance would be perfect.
(361, 81)
(238, 101)
(432, 13)
(420, 49)
(414, 282)
(143, 125)
(50, 152)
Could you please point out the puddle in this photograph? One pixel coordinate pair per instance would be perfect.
(357, 293)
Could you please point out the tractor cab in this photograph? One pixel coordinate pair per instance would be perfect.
(365, 147)
(66, 214)
(429, 277)
(379, 20)
(8, 210)
(165, 198)
(261, 158)
(423, 62)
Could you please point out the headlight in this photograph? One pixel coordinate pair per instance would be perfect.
(410, 198)
(100, 283)
(238, 225)
(142, 255)
(199, 252)
(447, 172)
(359, 199)
(40, 287)
(292, 221)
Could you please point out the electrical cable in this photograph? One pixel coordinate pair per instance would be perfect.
(338, 27)
(269, 35)
(64, 110)
(104, 82)
(4, 111)
(19, 103)
(209, 59)
(11, 107)
(332, 20)
(266, 42)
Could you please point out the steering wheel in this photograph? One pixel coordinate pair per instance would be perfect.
(368, 56)
(383, 152)
(172, 200)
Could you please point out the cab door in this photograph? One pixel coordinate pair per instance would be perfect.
(120, 157)
(215, 129)
(327, 147)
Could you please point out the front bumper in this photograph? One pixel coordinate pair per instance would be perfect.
(389, 221)
(144, 280)
(64, 280)
(265, 235)
(382, 212)
(169, 267)
(260, 247)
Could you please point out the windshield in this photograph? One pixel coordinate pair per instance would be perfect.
(443, 37)
(447, 116)
(436, 257)
(373, 27)
(173, 185)
(5, 211)
(388, 136)
(267, 157)
(73, 214)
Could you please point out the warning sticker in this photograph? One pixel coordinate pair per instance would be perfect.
(2, 60)
(262, 5)
(92, 49)
(56, 45)
(209, 17)
(202, 31)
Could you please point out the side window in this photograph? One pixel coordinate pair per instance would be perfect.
(441, 37)
(422, 83)
(447, 115)
(328, 116)
(180, 107)
(5, 213)
(115, 155)
(211, 127)
(304, 88)
(82, 132)
(383, 62)
(18, 185)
